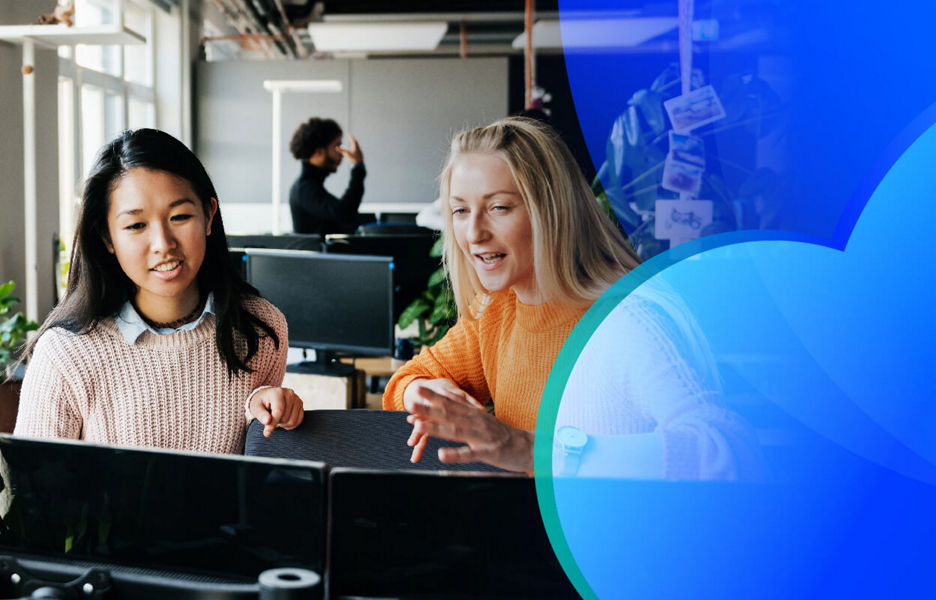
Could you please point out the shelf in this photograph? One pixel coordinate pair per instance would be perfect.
(60, 35)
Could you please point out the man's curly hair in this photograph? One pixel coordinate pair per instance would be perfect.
(313, 134)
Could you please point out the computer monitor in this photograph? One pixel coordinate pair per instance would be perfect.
(412, 534)
(333, 303)
(410, 252)
(282, 241)
(239, 260)
(177, 520)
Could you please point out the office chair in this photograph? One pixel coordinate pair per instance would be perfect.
(367, 439)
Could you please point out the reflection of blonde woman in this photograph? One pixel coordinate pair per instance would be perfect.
(528, 250)
(644, 400)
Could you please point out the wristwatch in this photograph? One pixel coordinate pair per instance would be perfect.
(572, 442)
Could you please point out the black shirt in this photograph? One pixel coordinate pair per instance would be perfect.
(315, 210)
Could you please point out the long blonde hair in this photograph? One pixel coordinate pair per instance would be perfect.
(577, 251)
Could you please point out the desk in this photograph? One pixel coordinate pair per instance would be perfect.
(374, 369)
(320, 392)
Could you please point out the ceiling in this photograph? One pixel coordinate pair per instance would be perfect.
(278, 29)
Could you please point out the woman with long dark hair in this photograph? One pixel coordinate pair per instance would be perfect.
(158, 342)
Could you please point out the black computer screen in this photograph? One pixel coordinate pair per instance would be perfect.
(410, 252)
(223, 516)
(339, 303)
(285, 241)
(396, 534)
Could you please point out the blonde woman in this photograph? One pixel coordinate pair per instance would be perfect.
(527, 249)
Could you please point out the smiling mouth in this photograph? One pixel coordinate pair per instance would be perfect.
(169, 266)
(490, 257)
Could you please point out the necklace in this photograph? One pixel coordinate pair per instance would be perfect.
(178, 322)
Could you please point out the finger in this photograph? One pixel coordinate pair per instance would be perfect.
(460, 454)
(259, 411)
(452, 393)
(292, 416)
(414, 434)
(433, 406)
(444, 430)
(295, 404)
(277, 405)
(419, 449)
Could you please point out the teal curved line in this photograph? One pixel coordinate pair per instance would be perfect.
(565, 361)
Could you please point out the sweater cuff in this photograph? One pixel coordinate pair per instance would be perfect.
(249, 416)
(680, 455)
(393, 398)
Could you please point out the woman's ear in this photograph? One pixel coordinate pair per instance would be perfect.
(212, 210)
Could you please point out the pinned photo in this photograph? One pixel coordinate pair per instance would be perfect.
(695, 109)
(687, 148)
(679, 176)
(681, 220)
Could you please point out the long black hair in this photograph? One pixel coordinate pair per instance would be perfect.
(98, 287)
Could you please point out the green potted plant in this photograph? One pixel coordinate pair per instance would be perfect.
(433, 310)
(13, 330)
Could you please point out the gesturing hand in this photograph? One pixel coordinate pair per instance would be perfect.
(445, 387)
(353, 153)
(277, 407)
(487, 439)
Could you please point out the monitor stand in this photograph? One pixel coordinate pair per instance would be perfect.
(325, 363)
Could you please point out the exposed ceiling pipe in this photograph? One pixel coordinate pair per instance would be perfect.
(239, 20)
(300, 49)
(528, 58)
(263, 17)
(243, 37)
(463, 39)
(251, 26)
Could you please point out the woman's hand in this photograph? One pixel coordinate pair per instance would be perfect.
(277, 407)
(444, 414)
(443, 386)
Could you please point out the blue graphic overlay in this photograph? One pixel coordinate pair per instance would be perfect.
(814, 91)
(817, 324)
(822, 351)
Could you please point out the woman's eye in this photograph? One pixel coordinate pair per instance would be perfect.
(134, 227)
(459, 211)
(182, 217)
(500, 208)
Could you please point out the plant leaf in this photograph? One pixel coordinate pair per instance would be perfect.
(412, 312)
(436, 250)
(437, 277)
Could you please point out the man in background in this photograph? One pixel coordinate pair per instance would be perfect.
(317, 144)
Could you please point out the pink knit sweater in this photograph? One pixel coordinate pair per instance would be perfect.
(164, 391)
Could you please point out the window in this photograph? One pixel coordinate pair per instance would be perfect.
(104, 90)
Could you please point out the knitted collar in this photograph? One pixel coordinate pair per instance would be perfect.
(547, 316)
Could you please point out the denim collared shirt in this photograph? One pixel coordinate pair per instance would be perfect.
(132, 325)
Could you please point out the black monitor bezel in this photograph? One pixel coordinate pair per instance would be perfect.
(350, 349)
(80, 450)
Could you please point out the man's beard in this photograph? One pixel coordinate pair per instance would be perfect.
(332, 164)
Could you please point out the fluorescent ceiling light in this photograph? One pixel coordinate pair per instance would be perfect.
(302, 85)
(342, 37)
(595, 33)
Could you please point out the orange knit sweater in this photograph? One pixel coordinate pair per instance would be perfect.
(505, 354)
